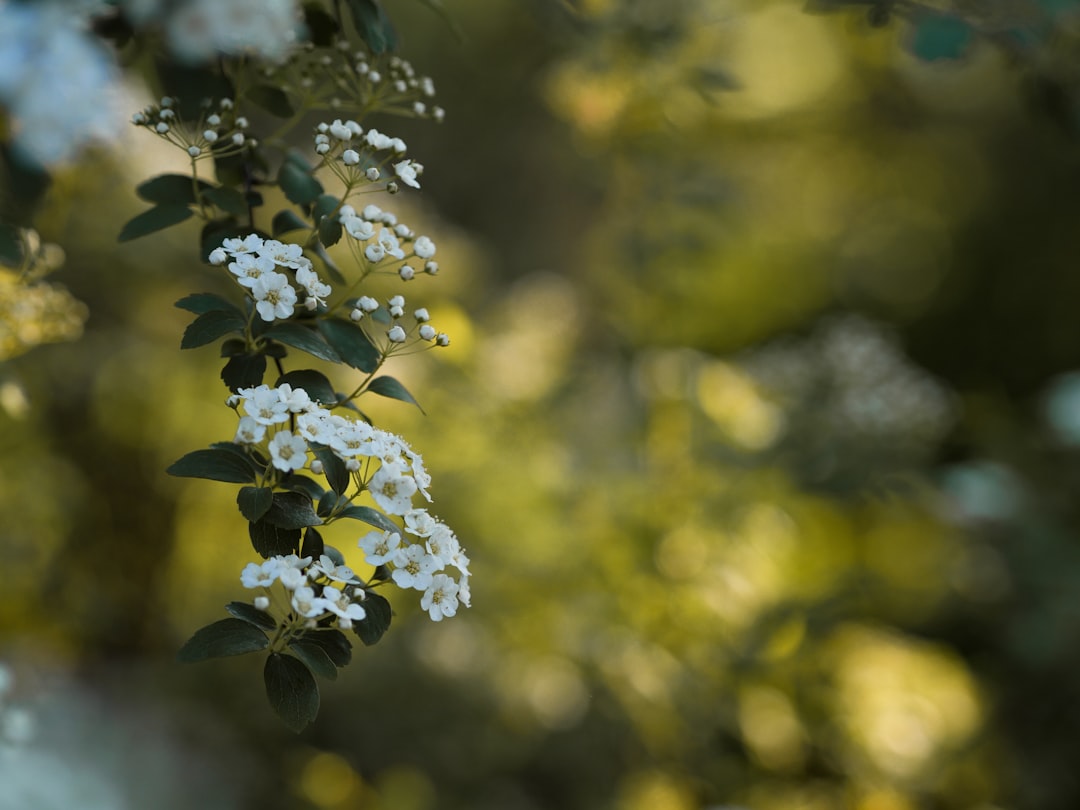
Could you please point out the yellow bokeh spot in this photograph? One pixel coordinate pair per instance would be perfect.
(655, 790)
(327, 780)
(731, 400)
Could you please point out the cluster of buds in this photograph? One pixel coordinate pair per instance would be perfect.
(395, 308)
(359, 157)
(218, 131)
(339, 76)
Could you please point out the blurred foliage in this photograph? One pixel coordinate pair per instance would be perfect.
(757, 422)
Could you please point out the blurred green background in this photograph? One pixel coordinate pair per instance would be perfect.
(757, 423)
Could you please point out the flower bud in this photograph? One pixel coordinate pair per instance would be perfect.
(396, 335)
(422, 315)
(262, 603)
(427, 332)
(350, 157)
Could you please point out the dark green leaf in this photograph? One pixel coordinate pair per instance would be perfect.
(337, 476)
(316, 384)
(272, 99)
(300, 337)
(325, 214)
(389, 387)
(294, 482)
(333, 642)
(377, 621)
(329, 231)
(233, 347)
(315, 658)
(291, 690)
(313, 544)
(299, 186)
(222, 638)
(373, 25)
(372, 518)
(178, 189)
(11, 245)
(328, 263)
(229, 200)
(285, 221)
(244, 371)
(252, 615)
(322, 27)
(297, 159)
(351, 343)
(216, 231)
(156, 219)
(201, 303)
(254, 502)
(328, 502)
(215, 464)
(210, 326)
(292, 510)
(271, 541)
(326, 205)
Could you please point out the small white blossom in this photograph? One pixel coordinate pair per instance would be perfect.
(218, 256)
(440, 598)
(288, 452)
(424, 247)
(274, 296)
(307, 604)
(249, 431)
(264, 405)
(379, 547)
(374, 252)
(262, 603)
(249, 268)
(406, 170)
(341, 605)
(338, 573)
(255, 575)
(392, 489)
(413, 567)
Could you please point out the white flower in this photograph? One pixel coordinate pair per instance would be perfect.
(255, 575)
(316, 289)
(440, 598)
(274, 296)
(374, 253)
(307, 604)
(352, 439)
(288, 452)
(249, 268)
(424, 247)
(296, 400)
(420, 522)
(376, 140)
(199, 29)
(357, 228)
(372, 213)
(341, 605)
(248, 431)
(285, 255)
(413, 567)
(406, 170)
(442, 545)
(392, 489)
(379, 547)
(338, 573)
(396, 334)
(264, 405)
(464, 593)
(249, 244)
(292, 578)
(218, 256)
(406, 273)
(340, 131)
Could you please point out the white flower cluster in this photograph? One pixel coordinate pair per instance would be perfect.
(198, 30)
(417, 565)
(57, 83)
(338, 76)
(218, 129)
(364, 305)
(401, 473)
(347, 140)
(339, 589)
(387, 242)
(255, 264)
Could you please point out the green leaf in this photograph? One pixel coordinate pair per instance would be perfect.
(272, 541)
(244, 371)
(328, 501)
(285, 221)
(299, 186)
(328, 263)
(337, 476)
(300, 337)
(313, 545)
(222, 638)
(333, 642)
(252, 615)
(315, 658)
(324, 213)
(350, 341)
(210, 326)
(377, 621)
(11, 245)
(294, 482)
(178, 189)
(201, 303)
(229, 200)
(233, 347)
(215, 464)
(371, 517)
(272, 99)
(373, 25)
(291, 690)
(389, 387)
(316, 384)
(292, 510)
(254, 502)
(156, 219)
(322, 27)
